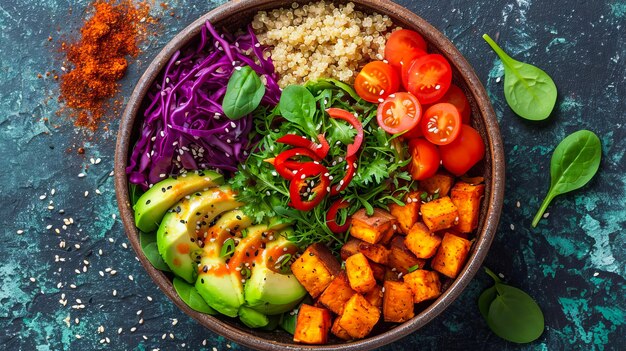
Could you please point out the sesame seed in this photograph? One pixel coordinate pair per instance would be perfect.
(20, 232)
(114, 292)
(81, 175)
(52, 191)
(32, 279)
(132, 330)
(174, 321)
(119, 331)
(149, 298)
(545, 215)
(86, 193)
(42, 197)
(512, 226)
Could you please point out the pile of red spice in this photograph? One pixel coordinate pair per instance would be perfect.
(99, 58)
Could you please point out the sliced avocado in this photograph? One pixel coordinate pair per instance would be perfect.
(152, 205)
(252, 318)
(219, 283)
(177, 237)
(272, 289)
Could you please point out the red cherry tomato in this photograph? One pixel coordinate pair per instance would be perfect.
(425, 159)
(377, 80)
(415, 132)
(402, 46)
(464, 152)
(441, 123)
(399, 112)
(428, 78)
(457, 97)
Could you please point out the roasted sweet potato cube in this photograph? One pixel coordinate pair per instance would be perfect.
(439, 214)
(312, 325)
(350, 248)
(316, 268)
(392, 274)
(401, 258)
(421, 241)
(397, 302)
(408, 214)
(466, 198)
(375, 252)
(451, 255)
(424, 284)
(440, 184)
(360, 273)
(371, 228)
(378, 270)
(337, 293)
(338, 331)
(375, 296)
(359, 317)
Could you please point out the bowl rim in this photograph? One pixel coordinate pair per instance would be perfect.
(484, 236)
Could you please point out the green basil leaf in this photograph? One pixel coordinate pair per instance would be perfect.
(529, 91)
(574, 162)
(297, 105)
(485, 300)
(243, 93)
(135, 193)
(514, 315)
(191, 297)
(148, 244)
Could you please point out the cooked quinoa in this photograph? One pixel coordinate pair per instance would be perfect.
(321, 40)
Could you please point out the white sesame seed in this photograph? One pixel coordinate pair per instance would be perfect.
(42, 197)
(114, 292)
(32, 279)
(119, 331)
(101, 273)
(20, 232)
(98, 160)
(73, 286)
(86, 193)
(149, 298)
(130, 277)
(98, 192)
(512, 226)
(545, 215)
(53, 191)
(124, 245)
(132, 330)
(174, 321)
(518, 204)
(49, 226)
(113, 272)
(139, 312)
(81, 175)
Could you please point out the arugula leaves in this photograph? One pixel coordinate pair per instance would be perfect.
(378, 180)
(574, 162)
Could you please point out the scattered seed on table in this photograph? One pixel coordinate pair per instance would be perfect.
(81, 175)
(130, 277)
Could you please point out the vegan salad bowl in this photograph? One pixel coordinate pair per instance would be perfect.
(299, 175)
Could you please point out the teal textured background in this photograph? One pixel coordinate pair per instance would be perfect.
(573, 263)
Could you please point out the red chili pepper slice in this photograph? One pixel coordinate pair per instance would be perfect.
(350, 118)
(299, 181)
(331, 217)
(321, 149)
(323, 146)
(347, 178)
(284, 167)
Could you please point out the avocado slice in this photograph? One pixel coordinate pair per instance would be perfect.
(177, 237)
(219, 283)
(152, 205)
(252, 318)
(272, 289)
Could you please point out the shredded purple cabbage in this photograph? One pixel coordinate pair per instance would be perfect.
(185, 127)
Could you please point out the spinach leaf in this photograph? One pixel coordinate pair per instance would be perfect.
(574, 162)
(135, 193)
(288, 321)
(529, 91)
(330, 83)
(191, 297)
(243, 93)
(511, 313)
(297, 105)
(150, 249)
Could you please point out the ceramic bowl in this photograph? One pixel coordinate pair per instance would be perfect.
(237, 14)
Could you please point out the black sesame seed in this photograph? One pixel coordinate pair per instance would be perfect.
(202, 281)
(148, 202)
(205, 269)
(163, 189)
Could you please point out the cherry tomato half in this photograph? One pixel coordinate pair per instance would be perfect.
(428, 78)
(441, 123)
(377, 80)
(464, 152)
(425, 159)
(457, 97)
(399, 112)
(402, 46)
